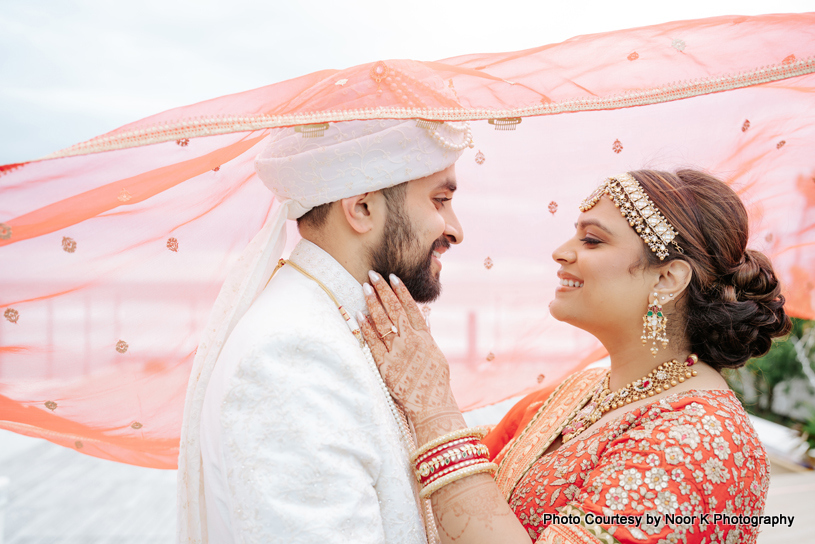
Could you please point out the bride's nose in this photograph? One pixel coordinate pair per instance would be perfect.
(564, 254)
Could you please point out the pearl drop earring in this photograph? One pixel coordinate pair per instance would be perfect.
(654, 326)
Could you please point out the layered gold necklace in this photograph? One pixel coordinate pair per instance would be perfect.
(663, 377)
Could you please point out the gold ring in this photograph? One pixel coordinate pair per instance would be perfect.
(392, 331)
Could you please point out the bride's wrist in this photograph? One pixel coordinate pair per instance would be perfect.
(433, 424)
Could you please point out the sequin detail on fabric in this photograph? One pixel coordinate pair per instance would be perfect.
(12, 315)
(68, 244)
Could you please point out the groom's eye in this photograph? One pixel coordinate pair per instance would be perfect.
(442, 200)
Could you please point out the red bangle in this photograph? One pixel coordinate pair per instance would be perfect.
(447, 445)
(449, 458)
(436, 456)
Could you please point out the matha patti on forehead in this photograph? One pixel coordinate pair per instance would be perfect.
(638, 209)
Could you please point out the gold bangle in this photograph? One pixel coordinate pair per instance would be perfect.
(449, 437)
(459, 443)
(449, 470)
(462, 444)
(435, 485)
(459, 454)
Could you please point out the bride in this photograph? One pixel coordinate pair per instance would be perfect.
(656, 449)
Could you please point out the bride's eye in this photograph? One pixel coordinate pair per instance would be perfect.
(589, 241)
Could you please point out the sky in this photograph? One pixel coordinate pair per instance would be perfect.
(70, 71)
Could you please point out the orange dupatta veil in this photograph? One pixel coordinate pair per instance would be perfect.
(114, 250)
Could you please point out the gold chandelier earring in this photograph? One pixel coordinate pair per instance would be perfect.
(655, 326)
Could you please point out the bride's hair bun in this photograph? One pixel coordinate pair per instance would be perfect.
(733, 306)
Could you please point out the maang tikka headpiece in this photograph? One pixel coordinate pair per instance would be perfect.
(642, 214)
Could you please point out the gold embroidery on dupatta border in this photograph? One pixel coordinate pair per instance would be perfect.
(181, 130)
(505, 451)
(571, 396)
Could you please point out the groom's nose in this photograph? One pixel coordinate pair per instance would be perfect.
(452, 229)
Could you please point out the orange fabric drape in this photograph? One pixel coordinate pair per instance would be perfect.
(113, 250)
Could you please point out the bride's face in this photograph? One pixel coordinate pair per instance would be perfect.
(603, 288)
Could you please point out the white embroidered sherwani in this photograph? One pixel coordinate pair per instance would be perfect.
(297, 441)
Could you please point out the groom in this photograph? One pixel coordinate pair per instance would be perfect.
(299, 440)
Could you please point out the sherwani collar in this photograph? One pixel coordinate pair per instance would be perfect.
(331, 273)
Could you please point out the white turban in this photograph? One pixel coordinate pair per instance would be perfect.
(355, 157)
(303, 170)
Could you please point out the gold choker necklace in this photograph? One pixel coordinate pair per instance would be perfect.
(663, 377)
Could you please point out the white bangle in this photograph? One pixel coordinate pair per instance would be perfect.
(477, 433)
(435, 485)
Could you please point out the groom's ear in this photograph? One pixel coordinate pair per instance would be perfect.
(364, 212)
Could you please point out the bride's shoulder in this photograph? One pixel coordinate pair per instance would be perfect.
(707, 415)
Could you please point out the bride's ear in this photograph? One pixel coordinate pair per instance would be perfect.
(673, 279)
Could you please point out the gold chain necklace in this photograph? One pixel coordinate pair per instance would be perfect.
(398, 413)
(663, 377)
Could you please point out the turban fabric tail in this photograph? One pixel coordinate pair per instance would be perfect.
(245, 281)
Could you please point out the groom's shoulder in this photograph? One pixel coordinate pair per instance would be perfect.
(292, 305)
(292, 330)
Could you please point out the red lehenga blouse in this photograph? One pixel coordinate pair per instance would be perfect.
(685, 461)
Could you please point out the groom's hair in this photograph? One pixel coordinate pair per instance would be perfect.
(318, 215)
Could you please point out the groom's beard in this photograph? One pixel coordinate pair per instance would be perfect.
(399, 253)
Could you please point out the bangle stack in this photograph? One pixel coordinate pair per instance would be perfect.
(450, 458)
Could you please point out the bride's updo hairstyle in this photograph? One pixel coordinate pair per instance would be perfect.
(733, 306)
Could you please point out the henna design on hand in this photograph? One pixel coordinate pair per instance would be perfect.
(470, 503)
(429, 426)
(412, 365)
(418, 376)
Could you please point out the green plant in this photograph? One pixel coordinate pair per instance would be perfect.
(809, 429)
(757, 383)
